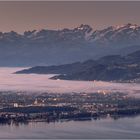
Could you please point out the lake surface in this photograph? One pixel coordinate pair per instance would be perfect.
(39, 83)
(104, 128)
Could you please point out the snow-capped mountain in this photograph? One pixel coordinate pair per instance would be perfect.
(80, 33)
(113, 35)
(127, 34)
(46, 47)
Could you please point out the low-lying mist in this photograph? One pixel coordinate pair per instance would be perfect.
(40, 83)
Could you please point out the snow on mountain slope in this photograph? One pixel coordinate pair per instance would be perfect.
(117, 35)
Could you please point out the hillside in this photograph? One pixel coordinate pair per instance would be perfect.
(108, 68)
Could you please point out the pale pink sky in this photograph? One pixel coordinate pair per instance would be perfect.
(21, 16)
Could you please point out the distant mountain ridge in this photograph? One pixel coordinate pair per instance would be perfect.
(108, 68)
(109, 35)
(47, 47)
(114, 35)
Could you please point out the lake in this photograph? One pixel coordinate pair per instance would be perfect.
(122, 128)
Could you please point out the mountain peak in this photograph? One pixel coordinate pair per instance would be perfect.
(118, 35)
(84, 27)
(128, 25)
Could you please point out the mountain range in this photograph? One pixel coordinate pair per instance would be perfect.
(48, 47)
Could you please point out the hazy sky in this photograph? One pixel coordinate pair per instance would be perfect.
(20, 16)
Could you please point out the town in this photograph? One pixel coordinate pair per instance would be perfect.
(22, 107)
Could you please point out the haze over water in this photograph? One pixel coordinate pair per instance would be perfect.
(39, 83)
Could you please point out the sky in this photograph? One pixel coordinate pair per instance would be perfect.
(24, 15)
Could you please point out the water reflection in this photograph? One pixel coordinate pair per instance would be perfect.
(120, 127)
(27, 122)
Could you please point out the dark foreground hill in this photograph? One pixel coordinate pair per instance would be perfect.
(108, 68)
